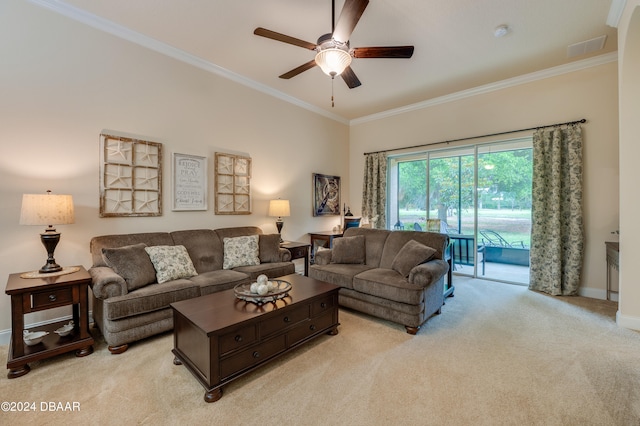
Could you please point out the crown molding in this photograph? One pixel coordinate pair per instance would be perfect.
(120, 31)
(615, 12)
(492, 87)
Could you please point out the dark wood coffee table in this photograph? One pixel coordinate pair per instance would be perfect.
(219, 338)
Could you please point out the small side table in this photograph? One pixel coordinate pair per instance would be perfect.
(298, 251)
(322, 239)
(39, 294)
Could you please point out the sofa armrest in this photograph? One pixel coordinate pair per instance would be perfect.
(322, 257)
(285, 255)
(428, 272)
(105, 283)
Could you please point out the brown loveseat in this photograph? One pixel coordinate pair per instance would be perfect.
(394, 275)
(130, 304)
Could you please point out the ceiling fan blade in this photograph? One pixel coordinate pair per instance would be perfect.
(350, 78)
(349, 17)
(263, 32)
(383, 52)
(301, 68)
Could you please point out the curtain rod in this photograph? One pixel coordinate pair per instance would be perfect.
(476, 137)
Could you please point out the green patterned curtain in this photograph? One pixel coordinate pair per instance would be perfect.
(374, 189)
(557, 239)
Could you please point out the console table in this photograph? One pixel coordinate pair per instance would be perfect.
(38, 294)
(613, 260)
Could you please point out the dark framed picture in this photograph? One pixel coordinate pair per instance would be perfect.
(326, 195)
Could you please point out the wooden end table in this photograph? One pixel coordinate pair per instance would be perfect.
(298, 251)
(38, 294)
(322, 239)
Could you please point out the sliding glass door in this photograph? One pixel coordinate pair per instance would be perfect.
(481, 195)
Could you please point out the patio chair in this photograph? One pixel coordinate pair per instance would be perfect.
(417, 227)
(492, 238)
(398, 226)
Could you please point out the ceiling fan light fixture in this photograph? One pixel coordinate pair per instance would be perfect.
(333, 60)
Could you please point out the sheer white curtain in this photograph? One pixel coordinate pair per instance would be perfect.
(374, 189)
(557, 239)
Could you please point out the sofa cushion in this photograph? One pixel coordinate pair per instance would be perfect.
(132, 263)
(269, 248)
(241, 251)
(271, 269)
(218, 280)
(204, 247)
(348, 250)
(171, 262)
(149, 299)
(388, 284)
(340, 274)
(411, 255)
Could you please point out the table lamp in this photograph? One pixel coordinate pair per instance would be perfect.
(279, 208)
(47, 209)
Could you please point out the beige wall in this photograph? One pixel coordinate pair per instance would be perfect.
(590, 93)
(629, 87)
(62, 83)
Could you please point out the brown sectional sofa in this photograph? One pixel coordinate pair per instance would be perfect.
(131, 305)
(394, 275)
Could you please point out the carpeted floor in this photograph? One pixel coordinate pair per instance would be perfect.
(498, 355)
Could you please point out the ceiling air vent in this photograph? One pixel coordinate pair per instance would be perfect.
(585, 47)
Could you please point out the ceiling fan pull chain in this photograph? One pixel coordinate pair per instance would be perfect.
(333, 77)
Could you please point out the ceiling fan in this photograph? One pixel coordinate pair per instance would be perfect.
(333, 51)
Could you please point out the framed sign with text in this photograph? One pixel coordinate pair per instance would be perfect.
(189, 182)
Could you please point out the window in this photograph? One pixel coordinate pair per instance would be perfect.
(483, 195)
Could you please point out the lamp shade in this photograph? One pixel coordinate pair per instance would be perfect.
(46, 209)
(279, 208)
(333, 61)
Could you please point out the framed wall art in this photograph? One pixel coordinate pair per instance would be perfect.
(326, 195)
(130, 177)
(233, 184)
(189, 182)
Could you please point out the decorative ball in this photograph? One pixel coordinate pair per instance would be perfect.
(262, 279)
(262, 289)
(254, 288)
(271, 285)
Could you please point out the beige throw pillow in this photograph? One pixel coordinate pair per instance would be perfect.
(348, 250)
(411, 255)
(269, 248)
(132, 263)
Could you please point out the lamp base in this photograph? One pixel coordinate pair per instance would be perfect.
(50, 240)
(279, 224)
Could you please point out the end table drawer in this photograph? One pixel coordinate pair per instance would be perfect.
(50, 299)
(298, 252)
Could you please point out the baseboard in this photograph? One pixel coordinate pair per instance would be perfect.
(5, 335)
(596, 293)
(632, 323)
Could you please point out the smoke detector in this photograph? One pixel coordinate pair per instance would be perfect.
(501, 31)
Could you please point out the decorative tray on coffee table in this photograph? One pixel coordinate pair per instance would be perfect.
(280, 289)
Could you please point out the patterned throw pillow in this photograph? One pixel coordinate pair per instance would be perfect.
(241, 251)
(171, 262)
